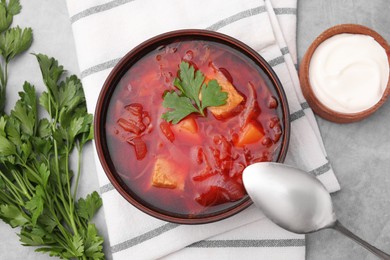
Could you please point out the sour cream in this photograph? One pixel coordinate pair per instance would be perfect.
(349, 72)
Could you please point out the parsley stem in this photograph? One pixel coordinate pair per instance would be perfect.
(64, 201)
(62, 241)
(12, 188)
(7, 198)
(71, 204)
(5, 74)
(79, 155)
(18, 199)
(31, 171)
(62, 211)
(28, 184)
(201, 112)
(61, 228)
(56, 164)
(23, 213)
(64, 234)
(79, 151)
(20, 181)
(3, 86)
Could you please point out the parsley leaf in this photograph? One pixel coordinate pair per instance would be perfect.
(93, 244)
(13, 7)
(6, 147)
(25, 109)
(189, 82)
(5, 18)
(181, 107)
(12, 215)
(51, 73)
(7, 12)
(15, 41)
(35, 205)
(35, 236)
(212, 95)
(191, 85)
(86, 208)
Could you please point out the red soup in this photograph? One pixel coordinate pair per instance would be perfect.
(193, 167)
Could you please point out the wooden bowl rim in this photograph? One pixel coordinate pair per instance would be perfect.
(318, 107)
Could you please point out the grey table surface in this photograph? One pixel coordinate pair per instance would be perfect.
(359, 152)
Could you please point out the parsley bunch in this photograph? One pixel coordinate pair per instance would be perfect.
(13, 41)
(191, 85)
(36, 192)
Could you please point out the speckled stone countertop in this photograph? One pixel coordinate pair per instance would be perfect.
(359, 152)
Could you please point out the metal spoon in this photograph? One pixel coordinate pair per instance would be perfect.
(295, 200)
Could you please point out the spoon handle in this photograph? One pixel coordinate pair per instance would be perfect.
(379, 253)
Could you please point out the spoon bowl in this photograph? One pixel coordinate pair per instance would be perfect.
(291, 198)
(295, 200)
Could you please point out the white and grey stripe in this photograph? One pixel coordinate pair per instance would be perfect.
(284, 50)
(236, 17)
(296, 115)
(144, 237)
(106, 188)
(209, 243)
(116, 3)
(305, 105)
(276, 61)
(321, 170)
(280, 11)
(100, 67)
(98, 9)
(218, 25)
(300, 113)
(249, 243)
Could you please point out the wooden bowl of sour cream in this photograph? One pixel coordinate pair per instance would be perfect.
(344, 74)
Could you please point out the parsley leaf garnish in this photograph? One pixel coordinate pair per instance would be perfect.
(181, 107)
(191, 84)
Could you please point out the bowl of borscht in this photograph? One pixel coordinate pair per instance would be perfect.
(180, 117)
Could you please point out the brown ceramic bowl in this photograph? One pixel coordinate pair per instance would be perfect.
(319, 108)
(106, 95)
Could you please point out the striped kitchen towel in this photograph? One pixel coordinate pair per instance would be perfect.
(105, 30)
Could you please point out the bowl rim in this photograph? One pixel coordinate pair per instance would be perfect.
(318, 107)
(125, 63)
